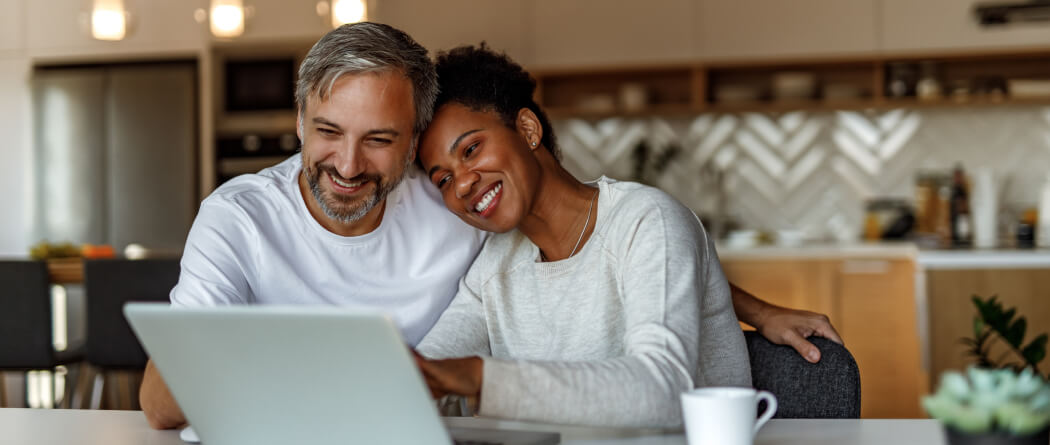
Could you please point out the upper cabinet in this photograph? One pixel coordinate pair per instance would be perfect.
(442, 25)
(777, 29)
(60, 29)
(600, 32)
(910, 25)
(283, 21)
(11, 29)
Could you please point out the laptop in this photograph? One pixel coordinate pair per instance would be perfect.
(280, 375)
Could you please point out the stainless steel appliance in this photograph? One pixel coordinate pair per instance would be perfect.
(115, 154)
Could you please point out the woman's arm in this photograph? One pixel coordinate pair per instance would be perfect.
(784, 326)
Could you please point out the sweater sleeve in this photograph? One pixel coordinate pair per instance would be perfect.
(461, 331)
(218, 253)
(662, 253)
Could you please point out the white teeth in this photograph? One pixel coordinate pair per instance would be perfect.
(487, 199)
(348, 185)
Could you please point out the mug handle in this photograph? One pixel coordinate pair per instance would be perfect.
(771, 408)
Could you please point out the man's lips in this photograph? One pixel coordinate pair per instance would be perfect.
(345, 187)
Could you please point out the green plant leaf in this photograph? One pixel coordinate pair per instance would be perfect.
(1015, 333)
(1035, 352)
(978, 326)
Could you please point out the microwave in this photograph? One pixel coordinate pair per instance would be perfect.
(260, 85)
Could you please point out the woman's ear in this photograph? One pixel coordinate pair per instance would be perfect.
(528, 126)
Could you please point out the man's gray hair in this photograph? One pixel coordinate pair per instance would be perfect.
(367, 47)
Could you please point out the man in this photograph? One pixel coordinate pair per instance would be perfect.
(348, 222)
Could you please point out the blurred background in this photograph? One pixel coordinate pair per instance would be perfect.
(879, 161)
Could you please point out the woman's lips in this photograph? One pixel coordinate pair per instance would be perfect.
(487, 202)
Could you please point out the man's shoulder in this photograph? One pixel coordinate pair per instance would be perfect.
(257, 192)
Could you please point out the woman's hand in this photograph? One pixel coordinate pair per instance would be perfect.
(459, 376)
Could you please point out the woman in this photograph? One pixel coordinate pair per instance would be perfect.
(593, 303)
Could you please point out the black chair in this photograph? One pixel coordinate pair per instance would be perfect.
(829, 389)
(26, 340)
(112, 347)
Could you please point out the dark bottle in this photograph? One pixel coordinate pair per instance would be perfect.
(960, 209)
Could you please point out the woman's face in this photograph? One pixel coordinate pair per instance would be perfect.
(486, 172)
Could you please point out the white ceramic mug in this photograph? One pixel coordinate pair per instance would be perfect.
(724, 416)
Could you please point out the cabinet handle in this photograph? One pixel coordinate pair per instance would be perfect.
(865, 267)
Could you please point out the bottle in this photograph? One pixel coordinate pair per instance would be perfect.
(960, 209)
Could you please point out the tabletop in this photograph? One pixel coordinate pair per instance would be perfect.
(90, 427)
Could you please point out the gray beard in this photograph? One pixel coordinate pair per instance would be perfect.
(360, 209)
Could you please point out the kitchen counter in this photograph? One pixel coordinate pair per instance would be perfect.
(820, 251)
(985, 259)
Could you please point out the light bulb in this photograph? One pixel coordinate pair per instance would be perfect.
(348, 11)
(227, 18)
(108, 20)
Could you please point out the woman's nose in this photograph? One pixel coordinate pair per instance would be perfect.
(465, 183)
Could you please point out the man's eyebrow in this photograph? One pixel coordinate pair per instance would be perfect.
(387, 131)
(323, 121)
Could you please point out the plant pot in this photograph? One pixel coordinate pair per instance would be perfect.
(956, 437)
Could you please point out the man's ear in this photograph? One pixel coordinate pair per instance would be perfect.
(528, 126)
(299, 125)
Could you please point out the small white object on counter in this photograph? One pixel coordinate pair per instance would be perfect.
(985, 208)
(1042, 229)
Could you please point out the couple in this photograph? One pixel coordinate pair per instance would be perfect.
(592, 303)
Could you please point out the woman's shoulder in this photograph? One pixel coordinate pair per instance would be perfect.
(502, 252)
(633, 200)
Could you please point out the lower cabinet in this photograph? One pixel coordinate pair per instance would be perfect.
(871, 303)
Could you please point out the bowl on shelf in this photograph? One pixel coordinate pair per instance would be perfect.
(737, 94)
(794, 85)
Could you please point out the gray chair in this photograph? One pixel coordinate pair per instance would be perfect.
(829, 389)
(26, 342)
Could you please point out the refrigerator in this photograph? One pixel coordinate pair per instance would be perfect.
(115, 154)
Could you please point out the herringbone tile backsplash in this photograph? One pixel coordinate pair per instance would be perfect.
(812, 171)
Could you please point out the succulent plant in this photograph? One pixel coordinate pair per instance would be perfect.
(984, 401)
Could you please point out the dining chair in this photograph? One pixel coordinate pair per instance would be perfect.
(26, 330)
(113, 351)
(828, 389)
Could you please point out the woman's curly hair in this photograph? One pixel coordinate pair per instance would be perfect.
(483, 80)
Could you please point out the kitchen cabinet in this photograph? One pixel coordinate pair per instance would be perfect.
(951, 310)
(753, 29)
(937, 25)
(598, 32)
(446, 24)
(871, 302)
(11, 29)
(60, 29)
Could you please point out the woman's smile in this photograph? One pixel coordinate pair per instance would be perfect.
(486, 201)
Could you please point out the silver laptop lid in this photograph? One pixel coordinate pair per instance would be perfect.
(282, 375)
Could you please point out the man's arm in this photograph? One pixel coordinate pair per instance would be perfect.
(157, 403)
(783, 326)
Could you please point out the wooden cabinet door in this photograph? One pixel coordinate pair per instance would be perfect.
(808, 285)
(749, 29)
(449, 23)
(880, 327)
(600, 32)
(12, 19)
(61, 29)
(909, 25)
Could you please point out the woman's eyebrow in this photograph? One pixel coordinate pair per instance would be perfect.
(455, 143)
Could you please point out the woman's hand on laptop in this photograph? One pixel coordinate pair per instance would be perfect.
(459, 376)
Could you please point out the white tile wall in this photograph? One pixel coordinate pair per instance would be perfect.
(813, 171)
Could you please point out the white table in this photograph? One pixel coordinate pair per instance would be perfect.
(85, 427)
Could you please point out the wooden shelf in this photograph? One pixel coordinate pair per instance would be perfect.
(690, 88)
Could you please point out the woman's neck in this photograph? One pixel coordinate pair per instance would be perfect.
(563, 210)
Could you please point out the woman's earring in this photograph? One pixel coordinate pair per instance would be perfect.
(534, 144)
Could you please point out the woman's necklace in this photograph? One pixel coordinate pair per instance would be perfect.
(585, 224)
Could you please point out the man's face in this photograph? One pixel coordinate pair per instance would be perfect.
(357, 143)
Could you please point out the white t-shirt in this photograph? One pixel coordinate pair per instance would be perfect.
(255, 242)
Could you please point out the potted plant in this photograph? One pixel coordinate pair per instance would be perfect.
(997, 401)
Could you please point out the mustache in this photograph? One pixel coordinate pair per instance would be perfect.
(330, 169)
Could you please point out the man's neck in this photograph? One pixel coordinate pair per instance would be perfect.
(362, 226)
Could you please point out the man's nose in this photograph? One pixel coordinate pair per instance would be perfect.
(350, 161)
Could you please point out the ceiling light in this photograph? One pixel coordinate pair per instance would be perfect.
(227, 18)
(348, 11)
(109, 20)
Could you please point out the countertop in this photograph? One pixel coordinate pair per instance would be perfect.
(1003, 258)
